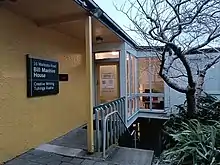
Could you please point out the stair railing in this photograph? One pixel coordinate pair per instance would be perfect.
(100, 112)
(106, 127)
(115, 126)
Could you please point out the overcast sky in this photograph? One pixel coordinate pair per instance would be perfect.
(121, 19)
(118, 17)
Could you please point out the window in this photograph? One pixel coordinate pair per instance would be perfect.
(151, 85)
(107, 55)
(128, 74)
(131, 83)
(133, 74)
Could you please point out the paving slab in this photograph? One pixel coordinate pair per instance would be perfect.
(131, 156)
(76, 161)
(67, 151)
(74, 139)
(70, 149)
(88, 162)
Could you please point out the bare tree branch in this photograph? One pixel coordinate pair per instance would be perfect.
(179, 28)
(177, 76)
(213, 62)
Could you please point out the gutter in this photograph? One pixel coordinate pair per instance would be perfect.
(91, 7)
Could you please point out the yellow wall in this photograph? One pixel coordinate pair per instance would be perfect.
(28, 122)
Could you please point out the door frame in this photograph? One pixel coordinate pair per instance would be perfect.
(104, 62)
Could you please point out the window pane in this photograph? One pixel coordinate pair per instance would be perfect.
(128, 74)
(149, 70)
(106, 55)
(137, 76)
(133, 74)
(157, 102)
(144, 102)
(131, 107)
(157, 81)
(150, 81)
(143, 69)
(138, 102)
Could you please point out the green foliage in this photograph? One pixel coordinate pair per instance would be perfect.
(194, 140)
(208, 108)
(196, 143)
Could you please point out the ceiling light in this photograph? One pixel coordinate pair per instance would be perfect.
(114, 53)
(99, 39)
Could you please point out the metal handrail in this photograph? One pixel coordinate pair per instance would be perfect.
(98, 107)
(135, 138)
(105, 126)
(100, 112)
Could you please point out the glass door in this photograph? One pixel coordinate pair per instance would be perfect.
(107, 83)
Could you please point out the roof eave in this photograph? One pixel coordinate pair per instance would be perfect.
(91, 7)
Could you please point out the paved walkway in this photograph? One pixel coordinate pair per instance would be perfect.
(70, 149)
(71, 145)
(38, 157)
(74, 139)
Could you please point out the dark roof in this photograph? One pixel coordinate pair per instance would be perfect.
(160, 48)
(148, 48)
(206, 50)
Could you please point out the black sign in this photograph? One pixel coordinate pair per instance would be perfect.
(42, 77)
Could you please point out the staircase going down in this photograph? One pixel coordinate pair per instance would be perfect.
(130, 156)
(111, 133)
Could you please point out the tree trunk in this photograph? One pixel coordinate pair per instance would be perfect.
(191, 102)
(199, 85)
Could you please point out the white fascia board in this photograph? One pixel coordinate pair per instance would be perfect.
(130, 49)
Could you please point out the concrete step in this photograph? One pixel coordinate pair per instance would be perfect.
(131, 156)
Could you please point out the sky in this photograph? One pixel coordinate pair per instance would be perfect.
(118, 17)
(109, 8)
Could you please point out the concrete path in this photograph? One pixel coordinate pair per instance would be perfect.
(122, 156)
(70, 149)
(76, 138)
(131, 156)
(38, 157)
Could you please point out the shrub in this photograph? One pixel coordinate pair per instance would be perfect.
(194, 140)
(196, 143)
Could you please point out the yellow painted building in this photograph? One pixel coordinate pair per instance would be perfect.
(28, 122)
(62, 32)
(102, 63)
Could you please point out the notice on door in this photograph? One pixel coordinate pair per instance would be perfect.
(42, 77)
(107, 81)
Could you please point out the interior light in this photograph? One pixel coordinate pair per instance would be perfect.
(99, 39)
(114, 53)
(213, 67)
